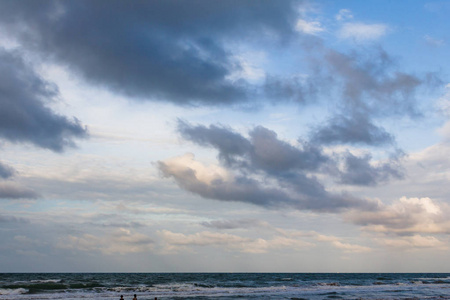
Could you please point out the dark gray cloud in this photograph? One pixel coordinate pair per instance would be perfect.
(261, 151)
(12, 219)
(274, 155)
(229, 144)
(165, 50)
(302, 194)
(359, 171)
(267, 171)
(351, 129)
(183, 52)
(6, 171)
(240, 189)
(24, 116)
(10, 190)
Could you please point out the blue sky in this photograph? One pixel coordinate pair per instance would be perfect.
(235, 136)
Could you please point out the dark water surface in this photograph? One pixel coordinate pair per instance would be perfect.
(225, 286)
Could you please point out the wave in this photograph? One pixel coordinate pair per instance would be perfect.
(223, 286)
(196, 289)
(46, 281)
(431, 280)
(39, 286)
(13, 291)
(192, 291)
(286, 279)
(328, 284)
(35, 281)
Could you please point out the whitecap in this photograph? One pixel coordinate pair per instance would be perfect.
(13, 291)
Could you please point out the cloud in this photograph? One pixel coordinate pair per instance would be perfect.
(443, 103)
(175, 242)
(174, 52)
(298, 89)
(216, 183)
(351, 248)
(309, 27)
(344, 14)
(158, 50)
(6, 171)
(282, 240)
(362, 32)
(121, 241)
(433, 41)
(262, 151)
(408, 243)
(235, 224)
(359, 171)
(150, 210)
(10, 190)
(264, 170)
(370, 85)
(404, 216)
(274, 189)
(267, 171)
(229, 143)
(24, 115)
(346, 247)
(12, 219)
(94, 177)
(351, 129)
(274, 155)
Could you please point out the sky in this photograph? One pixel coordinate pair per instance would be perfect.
(224, 136)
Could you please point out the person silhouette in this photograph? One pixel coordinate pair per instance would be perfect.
(135, 298)
(121, 297)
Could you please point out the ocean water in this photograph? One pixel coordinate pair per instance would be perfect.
(224, 286)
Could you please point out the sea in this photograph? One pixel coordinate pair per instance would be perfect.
(198, 286)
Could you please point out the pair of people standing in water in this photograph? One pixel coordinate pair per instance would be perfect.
(135, 298)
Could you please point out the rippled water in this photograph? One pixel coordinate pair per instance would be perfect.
(224, 286)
